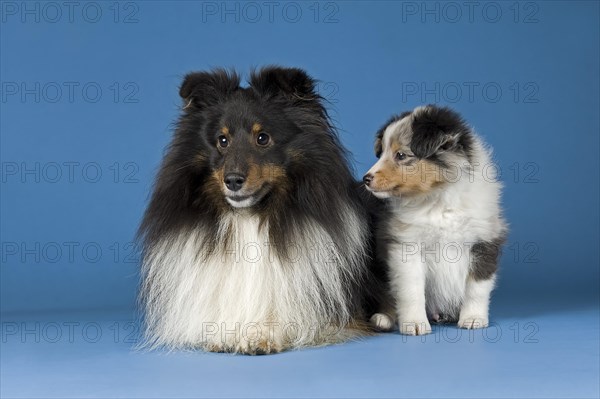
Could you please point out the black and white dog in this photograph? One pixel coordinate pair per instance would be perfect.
(444, 229)
(256, 239)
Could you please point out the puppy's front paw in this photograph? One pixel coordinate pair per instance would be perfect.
(416, 327)
(473, 321)
(382, 322)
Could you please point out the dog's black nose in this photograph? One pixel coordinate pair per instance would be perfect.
(367, 179)
(234, 181)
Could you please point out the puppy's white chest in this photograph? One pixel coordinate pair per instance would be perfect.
(437, 225)
(442, 238)
(446, 266)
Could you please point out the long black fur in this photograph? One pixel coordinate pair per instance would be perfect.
(319, 179)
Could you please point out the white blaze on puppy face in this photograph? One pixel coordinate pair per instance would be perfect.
(392, 176)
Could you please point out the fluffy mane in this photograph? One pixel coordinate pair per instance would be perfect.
(189, 229)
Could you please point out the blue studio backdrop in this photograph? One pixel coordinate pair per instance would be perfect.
(89, 94)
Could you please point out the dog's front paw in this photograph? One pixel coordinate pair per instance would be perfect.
(217, 348)
(382, 322)
(266, 347)
(261, 347)
(244, 347)
(473, 321)
(415, 327)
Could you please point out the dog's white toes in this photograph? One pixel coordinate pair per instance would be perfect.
(473, 322)
(419, 327)
(382, 321)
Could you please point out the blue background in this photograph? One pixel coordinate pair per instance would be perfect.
(534, 72)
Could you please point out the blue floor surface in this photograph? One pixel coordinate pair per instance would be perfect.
(526, 353)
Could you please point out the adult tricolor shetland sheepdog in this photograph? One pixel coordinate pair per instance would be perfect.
(256, 239)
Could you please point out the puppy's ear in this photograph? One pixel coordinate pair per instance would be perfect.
(436, 129)
(292, 83)
(202, 89)
(448, 142)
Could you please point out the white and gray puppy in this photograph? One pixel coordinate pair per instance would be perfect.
(443, 231)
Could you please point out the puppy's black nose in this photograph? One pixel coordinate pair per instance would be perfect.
(234, 181)
(367, 179)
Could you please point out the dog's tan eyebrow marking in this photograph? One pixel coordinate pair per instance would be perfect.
(225, 130)
(256, 128)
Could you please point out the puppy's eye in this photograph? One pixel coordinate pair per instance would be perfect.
(263, 139)
(223, 142)
(400, 156)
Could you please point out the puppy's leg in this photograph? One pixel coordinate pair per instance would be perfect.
(474, 311)
(480, 283)
(408, 286)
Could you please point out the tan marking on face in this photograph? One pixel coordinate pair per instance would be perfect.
(225, 130)
(256, 128)
(214, 188)
(218, 177)
(260, 175)
(419, 177)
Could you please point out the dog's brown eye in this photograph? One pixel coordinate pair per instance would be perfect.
(223, 142)
(263, 139)
(400, 156)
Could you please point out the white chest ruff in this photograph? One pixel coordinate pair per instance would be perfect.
(202, 296)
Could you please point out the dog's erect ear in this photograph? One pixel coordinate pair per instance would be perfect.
(436, 129)
(292, 83)
(202, 89)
